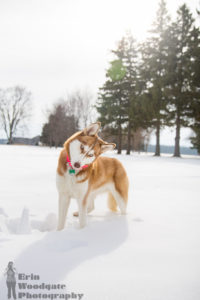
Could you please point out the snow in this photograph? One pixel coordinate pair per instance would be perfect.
(152, 253)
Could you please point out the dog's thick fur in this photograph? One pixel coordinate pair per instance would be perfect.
(102, 174)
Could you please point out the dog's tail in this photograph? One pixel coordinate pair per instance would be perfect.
(112, 204)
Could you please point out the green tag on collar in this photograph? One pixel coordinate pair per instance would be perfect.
(71, 171)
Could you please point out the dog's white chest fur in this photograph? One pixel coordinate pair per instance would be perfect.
(69, 185)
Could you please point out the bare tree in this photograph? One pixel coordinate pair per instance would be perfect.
(15, 108)
(80, 104)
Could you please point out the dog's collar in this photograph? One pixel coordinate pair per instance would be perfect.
(71, 169)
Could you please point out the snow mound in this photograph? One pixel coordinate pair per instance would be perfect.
(2, 212)
(24, 225)
(49, 223)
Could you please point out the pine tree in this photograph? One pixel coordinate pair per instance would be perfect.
(195, 54)
(112, 97)
(60, 126)
(121, 105)
(130, 86)
(153, 70)
(181, 88)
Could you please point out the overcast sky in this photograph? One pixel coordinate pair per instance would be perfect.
(54, 47)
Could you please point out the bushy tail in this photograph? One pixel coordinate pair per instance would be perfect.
(112, 204)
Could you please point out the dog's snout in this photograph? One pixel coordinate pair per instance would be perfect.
(77, 165)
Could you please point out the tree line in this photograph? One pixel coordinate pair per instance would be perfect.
(156, 83)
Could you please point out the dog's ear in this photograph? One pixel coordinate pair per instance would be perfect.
(92, 129)
(107, 147)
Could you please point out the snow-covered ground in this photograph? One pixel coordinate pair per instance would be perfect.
(152, 253)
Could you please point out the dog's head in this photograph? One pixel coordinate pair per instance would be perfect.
(85, 146)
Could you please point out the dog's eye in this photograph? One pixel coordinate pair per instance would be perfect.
(90, 155)
(82, 147)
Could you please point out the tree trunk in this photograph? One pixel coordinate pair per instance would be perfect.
(157, 152)
(119, 139)
(177, 138)
(128, 151)
(10, 139)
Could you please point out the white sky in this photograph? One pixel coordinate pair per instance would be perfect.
(53, 47)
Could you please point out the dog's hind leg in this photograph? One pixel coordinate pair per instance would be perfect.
(64, 201)
(90, 204)
(120, 198)
(119, 189)
(120, 202)
(112, 204)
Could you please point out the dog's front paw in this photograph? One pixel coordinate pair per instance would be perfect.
(82, 223)
(82, 226)
(59, 228)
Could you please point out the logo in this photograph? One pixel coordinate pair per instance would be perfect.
(30, 286)
(10, 273)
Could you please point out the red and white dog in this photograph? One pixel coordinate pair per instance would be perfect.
(82, 174)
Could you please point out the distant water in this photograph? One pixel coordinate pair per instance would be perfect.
(170, 150)
(3, 141)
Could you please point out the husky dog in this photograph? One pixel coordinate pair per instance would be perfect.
(83, 174)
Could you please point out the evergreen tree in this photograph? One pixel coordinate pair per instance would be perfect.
(60, 126)
(154, 70)
(120, 104)
(182, 74)
(129, 85)
(195, 54)
(112, 96)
